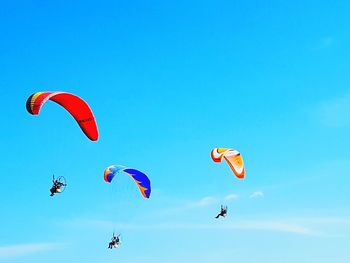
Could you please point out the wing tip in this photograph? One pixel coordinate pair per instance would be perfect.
(29, 104)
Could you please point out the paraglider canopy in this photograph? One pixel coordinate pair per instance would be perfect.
(76, 106)
(232, 157)
(142, 181)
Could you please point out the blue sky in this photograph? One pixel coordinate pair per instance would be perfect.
(167, 82)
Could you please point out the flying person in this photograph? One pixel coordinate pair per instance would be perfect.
(115, 242)
(223, 212)
(56, 187)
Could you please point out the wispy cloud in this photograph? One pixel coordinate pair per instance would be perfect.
(278, 226)
(324, 220)
(93, 223)
(312, 226)
(89, 223)
(203, 202)
(334, 113)
(231, 197)
(257, 194)
(25, 249)
(206, 201)
(307, 226)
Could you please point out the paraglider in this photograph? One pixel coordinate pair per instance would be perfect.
(76, 106)
(223, 212)
(115, 242)
(232, 157)
(59, 185)
(140, 178)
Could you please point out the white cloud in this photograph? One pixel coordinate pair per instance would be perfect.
(307, 226)
(325, 220)
(278, 226)
(108, 224)
(206, 201)
(257, 194)
(25, 249)
(89, 223)
(334, 113)
(231, 197)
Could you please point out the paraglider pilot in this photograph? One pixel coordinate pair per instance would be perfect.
(114, 242)
(56, 187)
(223, 212)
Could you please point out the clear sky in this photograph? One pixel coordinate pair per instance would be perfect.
(167, 82)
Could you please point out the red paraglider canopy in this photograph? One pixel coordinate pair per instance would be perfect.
(76, 106)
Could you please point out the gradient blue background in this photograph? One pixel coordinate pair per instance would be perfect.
(167, 82)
